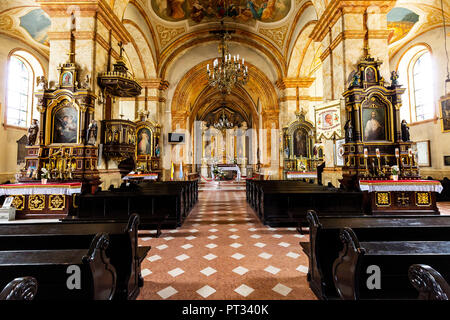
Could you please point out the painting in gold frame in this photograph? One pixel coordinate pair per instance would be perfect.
(65, 125)
(444, 107)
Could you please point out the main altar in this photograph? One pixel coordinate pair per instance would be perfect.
(378, 157)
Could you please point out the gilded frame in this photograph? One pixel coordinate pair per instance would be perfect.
(445, 100)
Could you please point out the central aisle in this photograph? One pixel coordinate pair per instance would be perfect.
(222, 251)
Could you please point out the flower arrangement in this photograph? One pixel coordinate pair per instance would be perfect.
(218, 174)
(44, 173)
(395, 170)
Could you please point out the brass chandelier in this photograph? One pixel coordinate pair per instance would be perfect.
(226, 71)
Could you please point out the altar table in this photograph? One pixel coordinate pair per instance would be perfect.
(37, 200)
(229, 168)
(401, 196)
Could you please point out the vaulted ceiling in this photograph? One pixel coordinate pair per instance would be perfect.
(164, 29)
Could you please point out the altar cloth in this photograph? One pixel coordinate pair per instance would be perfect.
(301, 175)
(144, 176)
(400, 185)
(69, 188)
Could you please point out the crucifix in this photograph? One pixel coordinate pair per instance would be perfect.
(403, 200)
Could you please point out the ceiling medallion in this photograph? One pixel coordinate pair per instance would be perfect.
(227, 71)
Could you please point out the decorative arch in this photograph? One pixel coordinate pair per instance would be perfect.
(193, 91)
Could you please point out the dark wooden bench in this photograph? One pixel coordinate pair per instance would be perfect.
(360, 263)
(52, 270)
(159, 204)
(325, 243)
(123, 252)
(285, 203)
(430, 284)
(23, 288)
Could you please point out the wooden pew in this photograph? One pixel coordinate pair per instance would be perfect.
(285, 203)
(325, 243)
(51, 269)
(123, 252)
(23, 288)
(428, 282)
(159, 204)
(359, 261)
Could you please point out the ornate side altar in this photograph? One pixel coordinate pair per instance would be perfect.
(35, 200)
(147, 148)
(376, 154)
(67, 147)
(298, 146)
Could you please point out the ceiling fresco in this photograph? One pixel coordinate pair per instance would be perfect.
(36, 23)
(400, 22)
(241, 11)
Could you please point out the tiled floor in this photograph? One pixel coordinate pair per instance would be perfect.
(222, 251)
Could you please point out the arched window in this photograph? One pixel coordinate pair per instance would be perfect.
(19, 75)
(416, 74)
(23, 67)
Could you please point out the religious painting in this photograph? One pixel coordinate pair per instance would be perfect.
(374, 123)
(328, 120)
(66, 79)
(243, 11)
(400, 22)
(36, 23)
(300, 143)
(144, 141)
(65, 125)
(370, 75)
(445, 114)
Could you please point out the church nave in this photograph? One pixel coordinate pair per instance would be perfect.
(222, 251)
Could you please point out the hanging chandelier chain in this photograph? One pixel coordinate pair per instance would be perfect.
(445, 39)
(227, 71)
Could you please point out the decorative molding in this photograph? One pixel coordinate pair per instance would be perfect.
(285, 83)
(166, 34)
(337, 8)
(277, 35)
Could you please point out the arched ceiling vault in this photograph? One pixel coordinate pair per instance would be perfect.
(193, 93)
(240, 37)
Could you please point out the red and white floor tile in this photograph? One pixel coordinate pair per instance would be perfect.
(222, 251)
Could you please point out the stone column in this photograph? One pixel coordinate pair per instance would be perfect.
(346, 30)
(243, 160)
(204, 167)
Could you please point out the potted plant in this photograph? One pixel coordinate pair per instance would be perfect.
(395, 172)
(44, 175)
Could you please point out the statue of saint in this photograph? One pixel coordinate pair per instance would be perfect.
(405, 131)
(32, 134)
(92, 132)
(348, 131)
(394, 78)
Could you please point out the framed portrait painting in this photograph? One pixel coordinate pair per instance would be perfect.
(444, 106)
(65, 125)
(374, 124)
(144, 141)
(300, 143)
